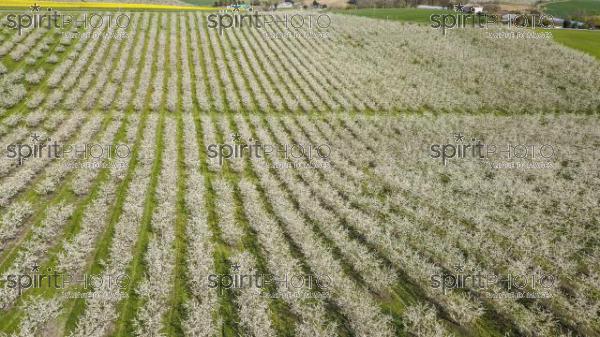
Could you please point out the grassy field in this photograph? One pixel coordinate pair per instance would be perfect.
(566, 9)
(397, 14)
(200, 2)
(587, 41)
(208, 3)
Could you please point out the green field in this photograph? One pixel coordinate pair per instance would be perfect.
(398, 14)
(573, 8)
(200, 2)
(586, 41)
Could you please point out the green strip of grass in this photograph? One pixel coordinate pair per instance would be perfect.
(396, 14)
(200, 2)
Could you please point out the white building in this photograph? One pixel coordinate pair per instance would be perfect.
(430, 7)
(473, 9)
(284, 5)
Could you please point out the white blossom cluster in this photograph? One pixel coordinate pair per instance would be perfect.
(158, 83)
(212, 78)
(35, 100)
(39, 311)
(343, 74)
(101, 312)
(409, 54)
(16, 135)
(362, 259)
(142, 89)
(203, 304)
(67, 65)
(127, 86)
(34, 118)
(19, 179)
(25, 46)
(12, 220)
(236, 163)
(8, 45)
(52, 59)
(449, 250)
(156, 287)
(460, 308)
(94, 78)
(32, 250)
(231, 231)
(233, 97)
(139, 25)
(57, 169)
(73, 257)
(83, 179)
(121, 164)
(112, 85)
(95, 218)
(238, 80)
(13, 120)
(187, 94)
(47, 184)
(281, 262)
(210, 137)
(172, 99)
(78, 59)
(365, 316)
(253, 308)
(317, 87)
(420, 321)
(54, 119)
(282, 75)
(12, 90)
(249, 80)
(35, 76)
(201, 93)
